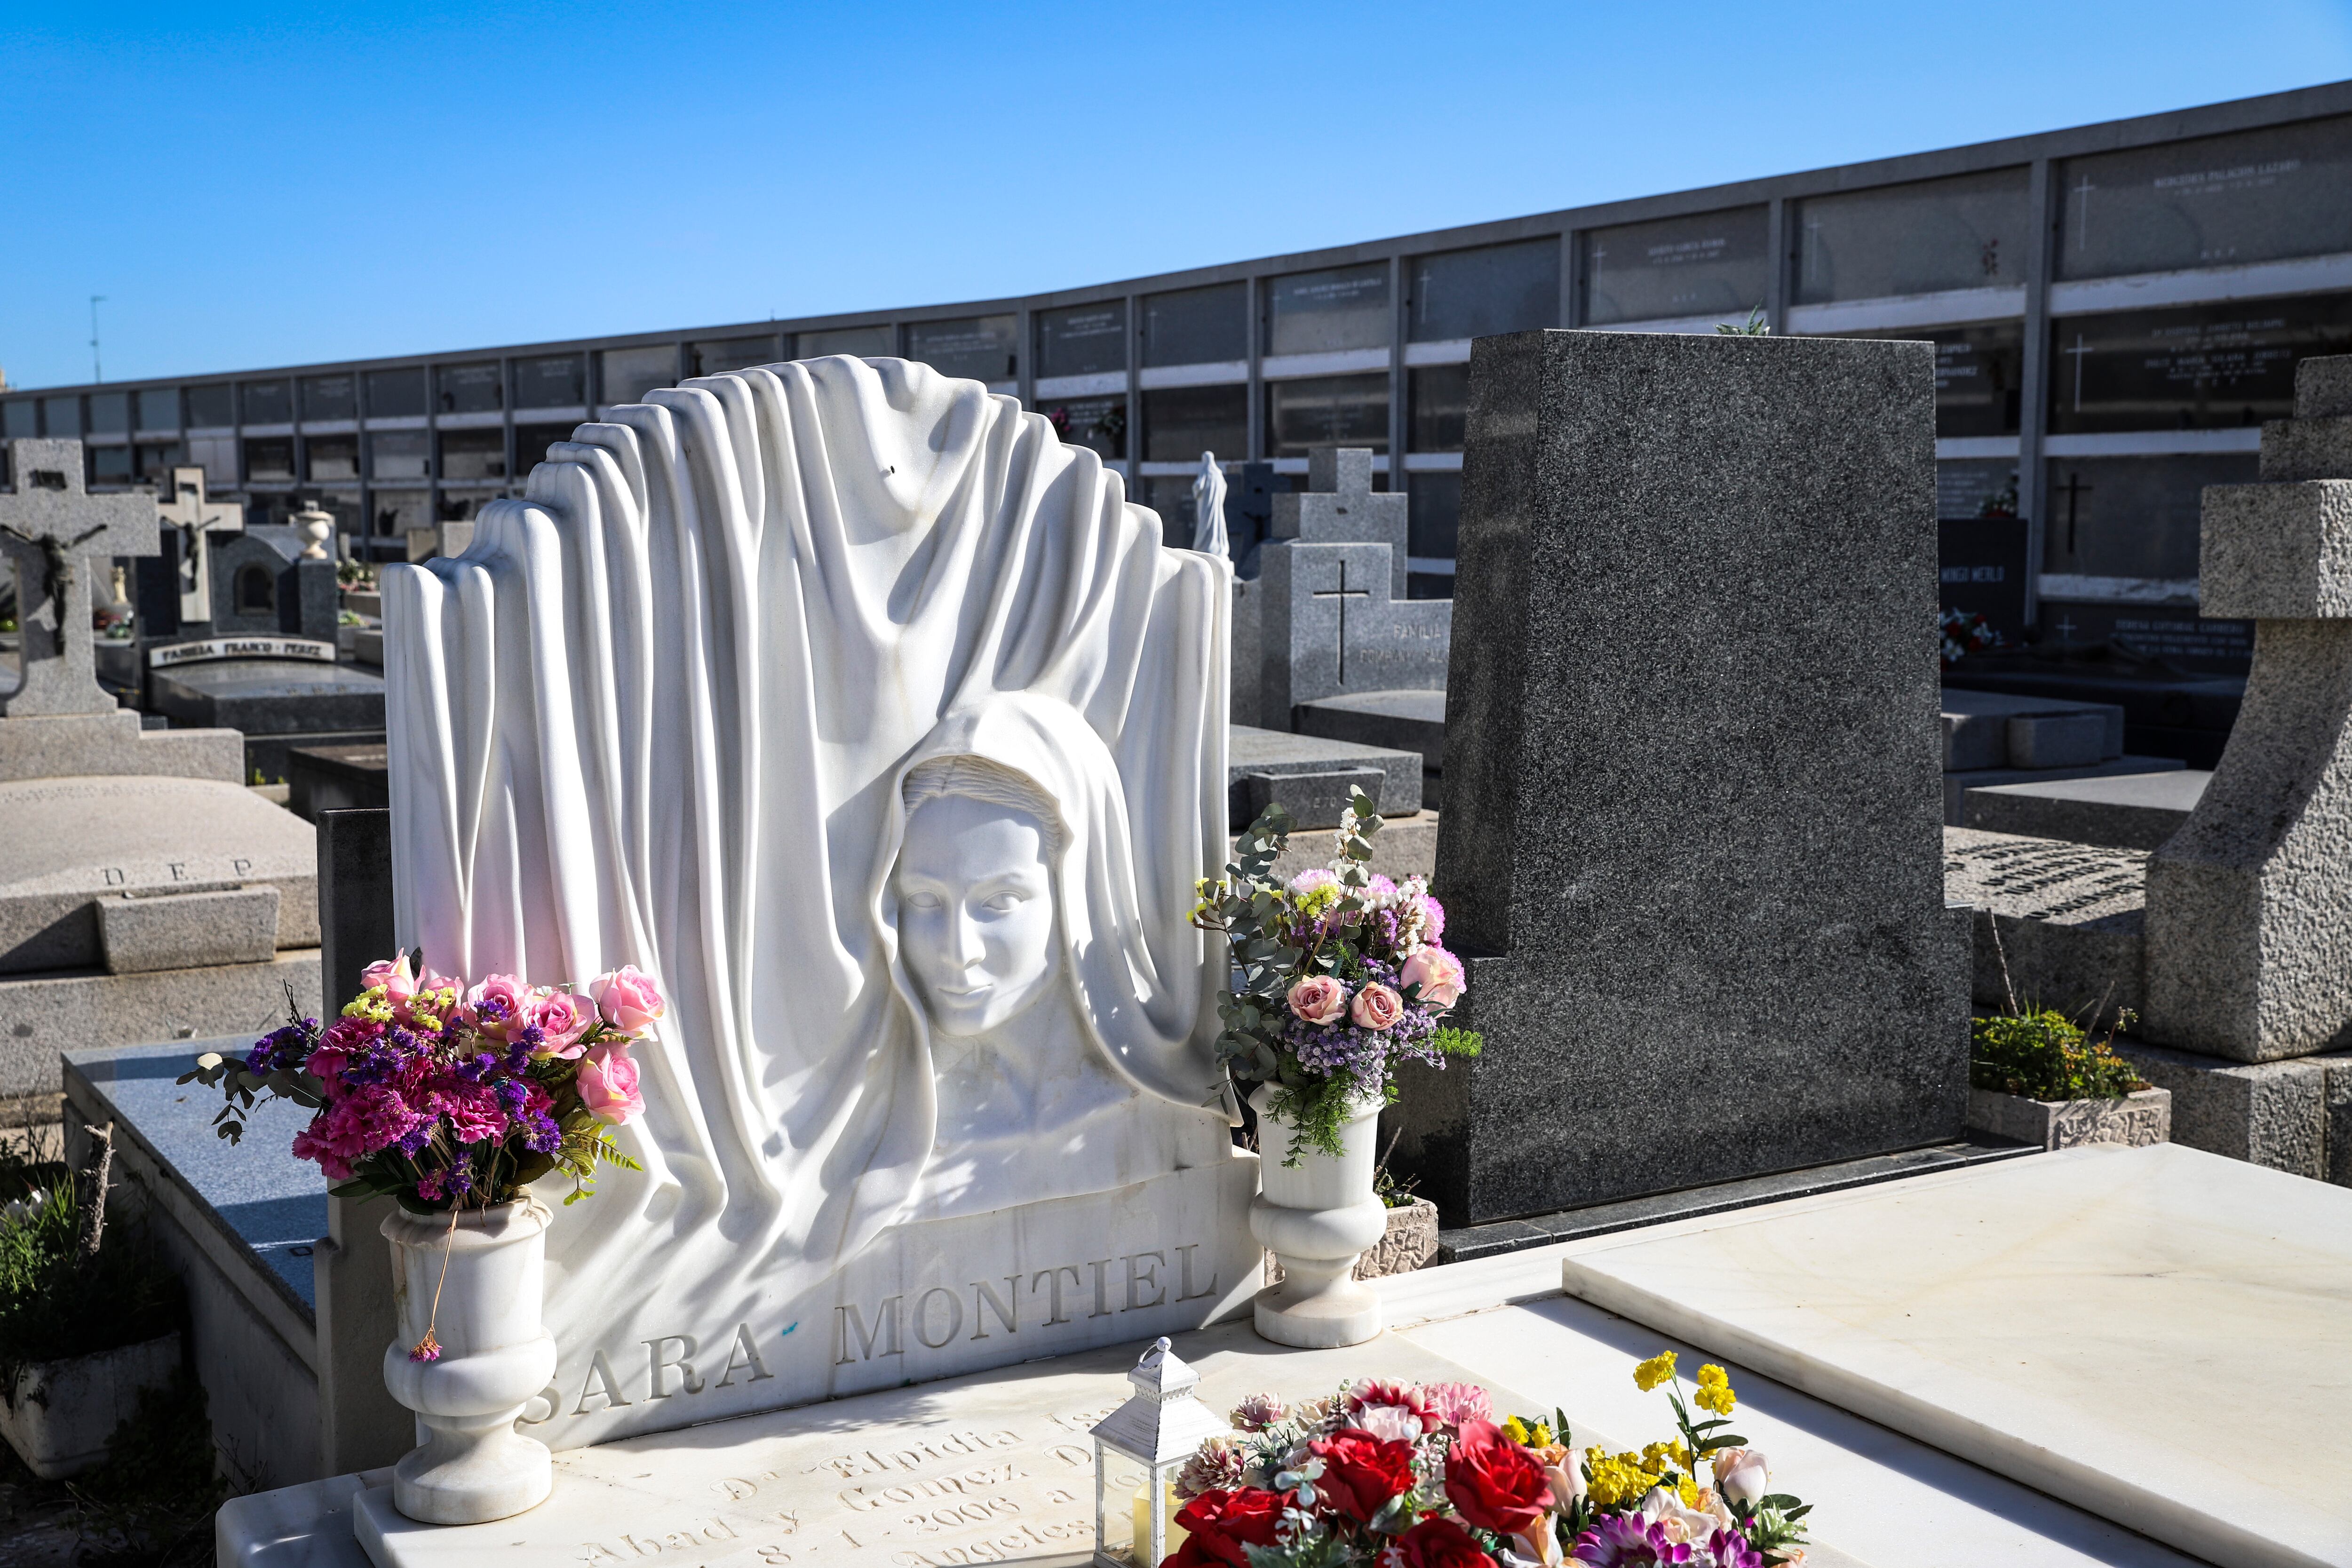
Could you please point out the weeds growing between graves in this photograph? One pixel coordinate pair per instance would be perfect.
(54, 1301)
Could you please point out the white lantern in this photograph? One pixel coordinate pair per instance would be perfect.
(1158, 1427)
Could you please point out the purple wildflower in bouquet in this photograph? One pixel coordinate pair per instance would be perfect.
(443, 1094)
(1340, 975)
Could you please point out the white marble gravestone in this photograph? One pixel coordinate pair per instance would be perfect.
(872, 720)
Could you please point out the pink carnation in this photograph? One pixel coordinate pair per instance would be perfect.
(1432, 919)
(473, 1111)
(1455, 1402)
(352, 1128)
(1307, 881)
(1386, 1408)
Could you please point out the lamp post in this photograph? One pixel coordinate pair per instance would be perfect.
(1158, 1427)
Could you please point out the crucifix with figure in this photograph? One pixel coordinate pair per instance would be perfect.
(50, 527)
(192, 517)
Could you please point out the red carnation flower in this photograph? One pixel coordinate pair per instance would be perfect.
(1493, 1482)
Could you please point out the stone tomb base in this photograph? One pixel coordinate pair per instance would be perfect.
(934, 1300)
(2230, 1357)
(2156, 1335)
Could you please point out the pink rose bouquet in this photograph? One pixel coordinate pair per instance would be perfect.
(1340, 976)
(441, 1093)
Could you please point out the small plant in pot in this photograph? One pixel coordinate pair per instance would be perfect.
(88, 1315)
(1338, 976)
(2036, 1076)
(452, 1100)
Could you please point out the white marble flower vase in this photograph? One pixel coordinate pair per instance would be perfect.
(1316, 1217)
(495, 1356)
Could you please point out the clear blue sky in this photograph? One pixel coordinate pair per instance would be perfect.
(254, 185)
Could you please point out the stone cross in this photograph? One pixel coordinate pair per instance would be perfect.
(1340, 507)
(194, 516)
(2249, 917)
(49, 528)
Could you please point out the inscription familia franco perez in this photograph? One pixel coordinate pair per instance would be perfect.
(935, 1318)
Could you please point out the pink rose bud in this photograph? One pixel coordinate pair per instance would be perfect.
(499, 1003)
(1377, 1006)
(562, 1017)
(608, 1085)
(399, 981)
(627, 997)
(1438, 974)
(1319, 999)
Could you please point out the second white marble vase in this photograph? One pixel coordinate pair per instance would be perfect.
(1316, 1217)
(495, 1356)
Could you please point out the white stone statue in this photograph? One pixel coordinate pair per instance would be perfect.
(846, 700)
(1209, 507)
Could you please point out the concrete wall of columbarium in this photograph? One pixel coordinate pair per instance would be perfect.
(2115, 308)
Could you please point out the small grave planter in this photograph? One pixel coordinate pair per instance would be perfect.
(61, 1412)
(1410, 1241)
(2138, 1119)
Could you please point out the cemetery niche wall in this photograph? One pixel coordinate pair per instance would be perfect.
(868, 716)
(1703, 905)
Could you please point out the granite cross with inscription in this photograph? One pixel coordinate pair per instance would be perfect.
(194, 517)
(49, 528)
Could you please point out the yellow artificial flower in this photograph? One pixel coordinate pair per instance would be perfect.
(1655, 1371)
(1539, 1435)
(1716, 1398)
(1616, 1480)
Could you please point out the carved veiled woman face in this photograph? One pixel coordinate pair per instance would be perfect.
(975, 894)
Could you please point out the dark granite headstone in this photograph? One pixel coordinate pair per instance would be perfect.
(260, 584)
(1692, 841)
(360, 1423)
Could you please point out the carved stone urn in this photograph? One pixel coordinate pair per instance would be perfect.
(317, 525)
(487, 1271)
(1316, 1217)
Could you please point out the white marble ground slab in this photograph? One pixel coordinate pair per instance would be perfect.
(2159, 1336)
(993, 1467)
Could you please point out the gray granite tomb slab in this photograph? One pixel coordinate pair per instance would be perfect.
(2135, 811)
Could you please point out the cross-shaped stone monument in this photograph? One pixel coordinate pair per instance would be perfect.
(49, 529)
(195, 516)
(1339, 505)
(1334, 618)
(2250, 904)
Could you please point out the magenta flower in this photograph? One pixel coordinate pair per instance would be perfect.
(1622, 1541)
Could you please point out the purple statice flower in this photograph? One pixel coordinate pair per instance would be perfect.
(1627, 1541)
(512, 1094)
(413, 1142)
(282, 1047)
(541, 1135)
(476, 1068)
